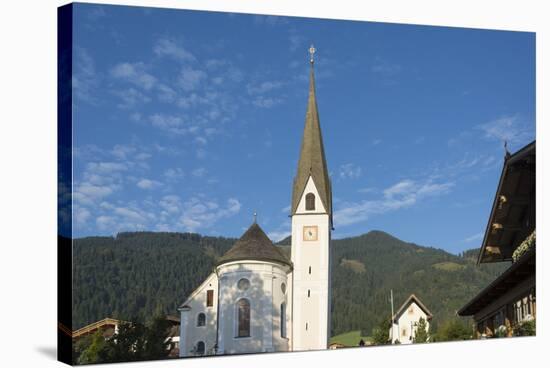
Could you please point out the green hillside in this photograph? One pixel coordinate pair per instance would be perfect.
(136, 275)
(350, 339)
(443, 281)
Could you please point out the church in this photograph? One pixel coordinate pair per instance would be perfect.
(257, 299)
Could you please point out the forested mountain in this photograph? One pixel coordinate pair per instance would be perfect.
(135, 275)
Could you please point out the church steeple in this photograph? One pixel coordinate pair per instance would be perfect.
(312, 160)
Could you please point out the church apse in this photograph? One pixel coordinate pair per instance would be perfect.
(251, 287)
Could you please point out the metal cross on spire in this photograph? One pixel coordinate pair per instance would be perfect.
(311, 52)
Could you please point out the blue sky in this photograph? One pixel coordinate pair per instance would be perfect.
(191, 121)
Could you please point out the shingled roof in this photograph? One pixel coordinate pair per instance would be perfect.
(312, 156)
(254, 245)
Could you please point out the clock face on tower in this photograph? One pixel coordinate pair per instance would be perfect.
(310, 233)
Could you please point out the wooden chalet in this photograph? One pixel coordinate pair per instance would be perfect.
(509, 237)
(107, 326)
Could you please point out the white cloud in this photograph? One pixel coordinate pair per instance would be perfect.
(170, 123)
(201, 140)
(131, 97)
(81, 215)
(166, 93)
(88, 194)
(93, 191)
(106, 167)
(281, 232)
(199, 172)
(263, 87)
(190, 78)
(171, 204)
(96, 12)
(148, 184)
(403, 194)
(276, 236)
(134, 73)
(201, 153)
(400, 188)
(296, 41)
(384, 67)
(215, 63)
(85, 78)
(173, 173)
(349, 171)
(190, 100)
(198, 213)
(266, 102)
(166, 47)
(508, 128)
(122, 152)
(104, 222)
(143, 156)
(130, 215)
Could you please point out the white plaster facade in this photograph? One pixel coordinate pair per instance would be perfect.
(406, 321)
(265, 294)
(190, 333)
(311, 260)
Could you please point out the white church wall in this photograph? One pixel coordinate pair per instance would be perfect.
(290, 308)
(190, 333)
(264, 295)
(405, 328)
(310, 188)
(280, 332)
(311, 275)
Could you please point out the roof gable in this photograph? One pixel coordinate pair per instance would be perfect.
(514, 202)
(412, 299)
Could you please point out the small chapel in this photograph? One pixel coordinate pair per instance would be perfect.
(257, 299)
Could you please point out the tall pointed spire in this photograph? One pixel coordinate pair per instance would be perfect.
(312, 160)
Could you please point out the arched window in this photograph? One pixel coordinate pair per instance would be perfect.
(201, 320)
(283, 320)
(310, 202)
(243, 318)
(200, 348)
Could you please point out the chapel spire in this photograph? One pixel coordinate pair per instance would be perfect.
(312, 160)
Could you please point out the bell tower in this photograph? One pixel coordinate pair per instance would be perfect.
(311, 212)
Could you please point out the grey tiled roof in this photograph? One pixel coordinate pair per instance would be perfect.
(254, 245)
(312, 157)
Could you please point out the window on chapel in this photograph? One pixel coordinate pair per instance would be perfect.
(243, 316)
(200, 348)
(201, 320)
(310, 202)
(209, 298)
(283, 320)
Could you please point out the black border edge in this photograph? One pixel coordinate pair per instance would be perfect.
(64, 182)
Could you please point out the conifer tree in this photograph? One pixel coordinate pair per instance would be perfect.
(421, 334)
